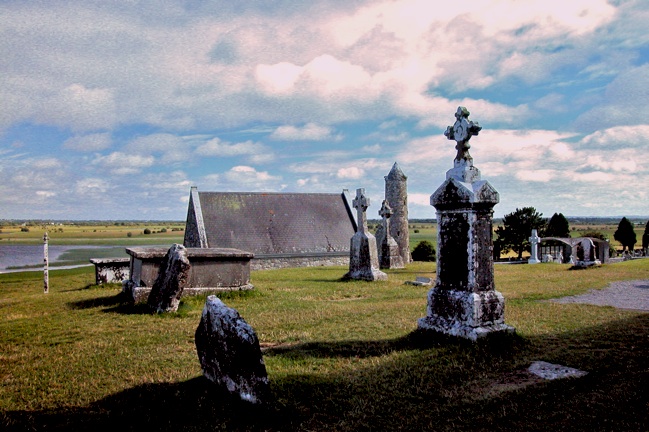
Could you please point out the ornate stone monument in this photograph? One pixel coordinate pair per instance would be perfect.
(464, 301)
(389, 253)
(534, 248)
(363, 257)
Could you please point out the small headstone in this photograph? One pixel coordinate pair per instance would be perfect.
(551, 371)
(229, 353)
(171, 281)
(389, 254)
(363, 256)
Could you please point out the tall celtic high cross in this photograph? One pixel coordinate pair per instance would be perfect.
(461, 132)
(361, 203)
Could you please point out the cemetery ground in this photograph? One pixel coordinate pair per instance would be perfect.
(340, 356)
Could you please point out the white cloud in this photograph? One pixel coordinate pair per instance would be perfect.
(352, 172)
(79, 108)
(122, 164)
(310, 132)
(242, 177)
(89, 143)
(255, 152)
(619, 137)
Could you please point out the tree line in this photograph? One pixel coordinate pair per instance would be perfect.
(516, 229)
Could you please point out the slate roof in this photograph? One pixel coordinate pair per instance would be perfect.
(275, 223)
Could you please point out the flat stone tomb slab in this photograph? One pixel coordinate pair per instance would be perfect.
(551, 371)
(213, 270)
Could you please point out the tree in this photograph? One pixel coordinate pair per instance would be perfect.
(517, 229)
(424, 251)
(558, 226)
(645, 237)
(625, 234)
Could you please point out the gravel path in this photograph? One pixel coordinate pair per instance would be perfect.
(623, 295)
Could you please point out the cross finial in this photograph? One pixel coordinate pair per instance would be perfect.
(361, 203)
(385, 212)
(461, 132)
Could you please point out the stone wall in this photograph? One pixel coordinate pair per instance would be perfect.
(268, 262)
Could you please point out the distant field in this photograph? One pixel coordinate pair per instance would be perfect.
(108, 234)
(173, 232)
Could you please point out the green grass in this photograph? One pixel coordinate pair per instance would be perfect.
(340, 356)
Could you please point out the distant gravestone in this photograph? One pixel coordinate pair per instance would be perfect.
(534, 248)
(389, 253)
(464, 301)
(229, 353)
(171, 281)
(363, 257)
(586, 254)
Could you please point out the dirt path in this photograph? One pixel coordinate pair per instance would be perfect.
(624, 295)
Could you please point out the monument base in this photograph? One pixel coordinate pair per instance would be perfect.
(586, 264)
(363, 260)
(465, 314)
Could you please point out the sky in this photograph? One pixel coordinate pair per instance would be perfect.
(114, 109)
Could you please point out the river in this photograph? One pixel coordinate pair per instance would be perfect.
(30, 257)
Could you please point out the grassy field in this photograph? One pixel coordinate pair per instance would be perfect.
(341, 356)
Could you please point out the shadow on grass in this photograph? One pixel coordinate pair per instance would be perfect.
(422, 382)
(196, 404)
(416, 340)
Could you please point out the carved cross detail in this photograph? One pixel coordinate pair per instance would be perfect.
(461, 132)
(361, 203)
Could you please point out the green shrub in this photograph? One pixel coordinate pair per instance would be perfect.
(147, 231)
(424, 251)
(129, 234)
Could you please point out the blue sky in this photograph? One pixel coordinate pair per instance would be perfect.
(114, 109)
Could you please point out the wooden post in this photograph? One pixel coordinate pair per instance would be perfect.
(46, 276)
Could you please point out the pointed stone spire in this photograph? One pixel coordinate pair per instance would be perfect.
(396, 173)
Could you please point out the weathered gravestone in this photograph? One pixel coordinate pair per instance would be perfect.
(229, 353)
(171, 281)
(363, 258)
(586, 254)
(464, 301)
(389, 253)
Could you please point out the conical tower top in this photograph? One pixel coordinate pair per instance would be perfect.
(396, 173)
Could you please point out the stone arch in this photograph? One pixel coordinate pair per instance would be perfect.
(572, 243)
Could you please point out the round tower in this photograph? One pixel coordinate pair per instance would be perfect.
(396, 194)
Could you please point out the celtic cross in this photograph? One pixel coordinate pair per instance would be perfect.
(385, 213)
(361, 203)
(461, 132)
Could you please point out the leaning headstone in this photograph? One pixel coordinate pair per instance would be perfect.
(389, 253)
(534, 248)
(464, 301)
(363, 257)
(171, 281)
(229, 353)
